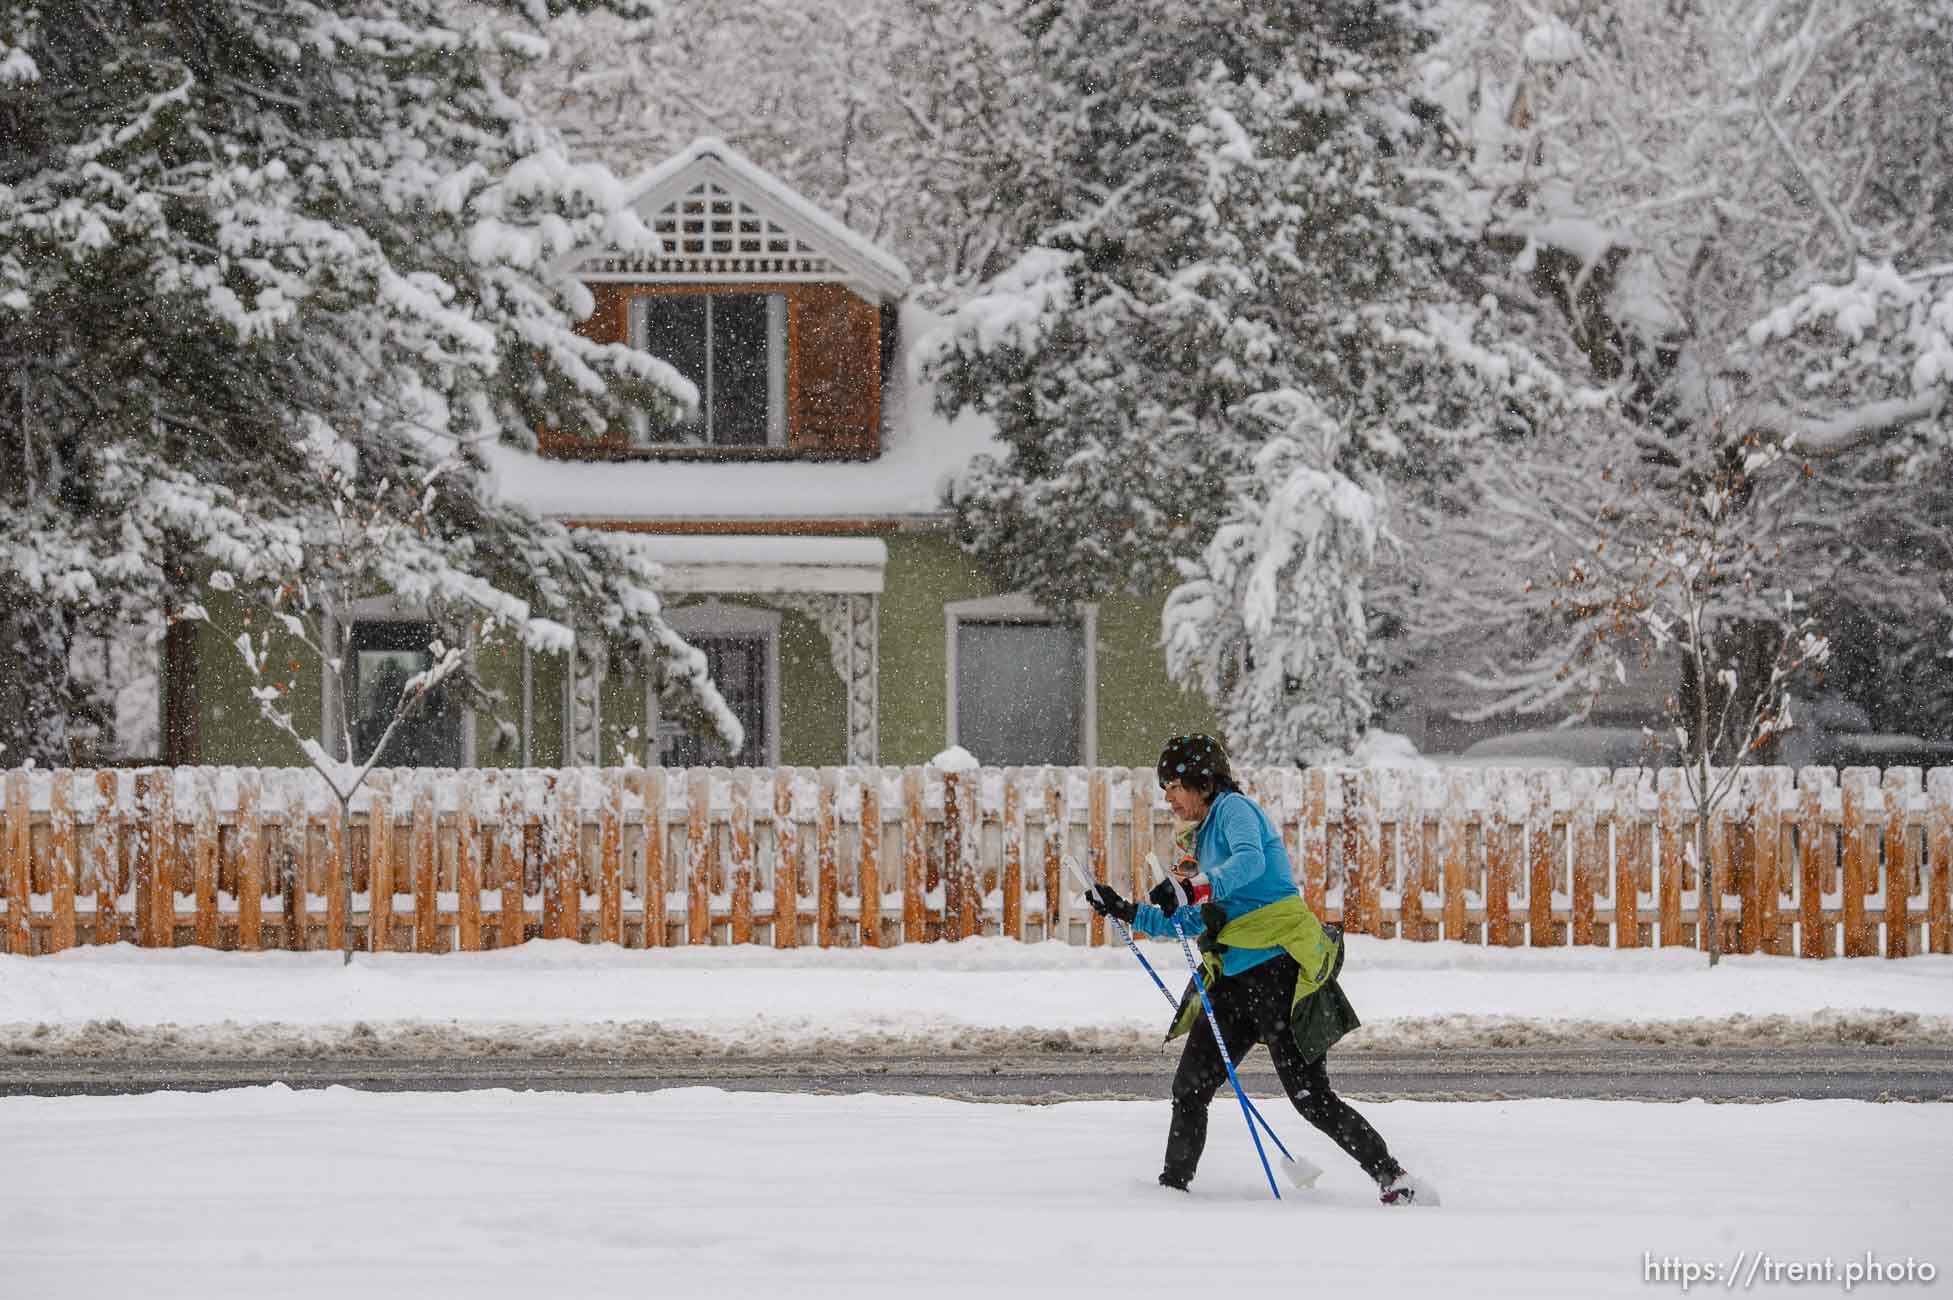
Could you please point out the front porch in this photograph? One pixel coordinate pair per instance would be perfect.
(727, 596)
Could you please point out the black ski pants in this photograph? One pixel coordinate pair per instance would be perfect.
(1253, 1007)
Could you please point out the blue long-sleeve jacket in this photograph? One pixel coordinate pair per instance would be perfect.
(1241, 852)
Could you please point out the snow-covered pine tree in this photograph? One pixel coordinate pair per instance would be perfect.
(1270, 623)
(1230, 201)
(238, 240)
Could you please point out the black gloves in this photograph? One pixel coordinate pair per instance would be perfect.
(1165, 897)
(1105, 900)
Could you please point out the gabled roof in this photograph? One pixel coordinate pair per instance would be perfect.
(724, 218)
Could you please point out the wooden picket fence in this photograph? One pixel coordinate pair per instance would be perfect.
(248, 859)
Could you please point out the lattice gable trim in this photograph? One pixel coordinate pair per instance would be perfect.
(710, 230)
(716, 229)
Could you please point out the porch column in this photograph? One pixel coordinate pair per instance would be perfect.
(863, 677)
(583, 701)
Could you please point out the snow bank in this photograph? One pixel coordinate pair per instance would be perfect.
(972, 996)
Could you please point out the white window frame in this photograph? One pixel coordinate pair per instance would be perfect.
(776, 356)
(384, 609)
(1019, 608)
(715, 617)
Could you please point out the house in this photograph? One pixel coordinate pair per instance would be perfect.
(799, 515)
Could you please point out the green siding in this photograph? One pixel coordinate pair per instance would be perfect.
(813, 701)
(813, 698)
(499, 665)
(1137, 706)
(232, 731)
(622, 703)
(234, 734)
(925, 572)
(546, 682)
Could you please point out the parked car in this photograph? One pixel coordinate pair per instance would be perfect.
(1560, 747)
(1612, 747)
(1882, 749)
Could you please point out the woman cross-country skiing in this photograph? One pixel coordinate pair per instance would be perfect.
(1270, 969)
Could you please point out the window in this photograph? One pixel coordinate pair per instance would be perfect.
(733, 347)
(384, 657)
(1021, 684)
(741, 648)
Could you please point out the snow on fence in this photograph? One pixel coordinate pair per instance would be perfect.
(249, 859)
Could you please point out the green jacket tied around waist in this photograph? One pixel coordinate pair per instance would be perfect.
(1319, 1013)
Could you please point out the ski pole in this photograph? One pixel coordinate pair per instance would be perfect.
(1247, 1109)
(1087, 883)
(1302, 1173)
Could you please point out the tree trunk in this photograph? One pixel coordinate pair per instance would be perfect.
(1694, 667)
(182, 736)
(346, 865)
(1710, 911)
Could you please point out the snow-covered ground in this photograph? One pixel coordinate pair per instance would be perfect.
(955, 997)
(698, 1192)
(691, 1192)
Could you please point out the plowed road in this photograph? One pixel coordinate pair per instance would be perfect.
(1603, 1072)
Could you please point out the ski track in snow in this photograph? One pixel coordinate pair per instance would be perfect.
(699, 1192)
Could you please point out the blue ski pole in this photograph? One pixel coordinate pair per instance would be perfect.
(1247, 1110)
(1302, 1173)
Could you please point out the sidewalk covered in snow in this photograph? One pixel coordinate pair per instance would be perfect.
(927, 997)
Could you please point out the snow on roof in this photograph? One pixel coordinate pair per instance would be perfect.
(871, 266)
(921, 453)
(852, 552)
(719, 563)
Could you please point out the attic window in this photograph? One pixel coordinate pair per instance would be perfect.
(733, 347)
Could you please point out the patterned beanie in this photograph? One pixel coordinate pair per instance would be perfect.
(1199, 762)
